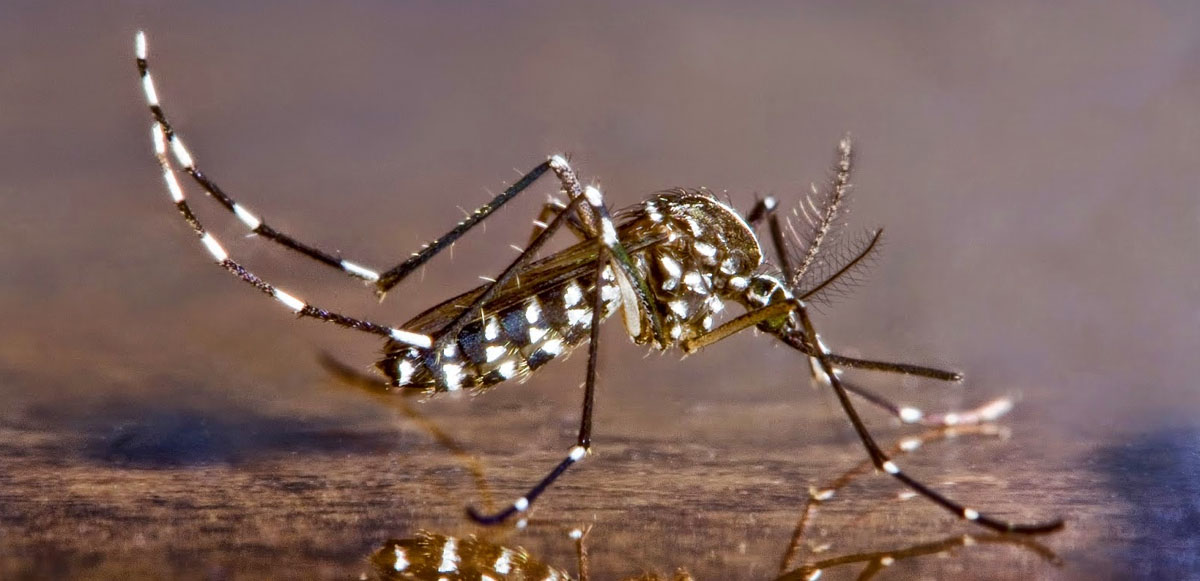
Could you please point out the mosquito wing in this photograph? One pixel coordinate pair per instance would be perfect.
(573, 263)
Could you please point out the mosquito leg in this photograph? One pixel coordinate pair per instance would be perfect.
(766, 209)
(385, 393)
(551, 209)
(762, 207)
(797, 342)
(449, 333)
(252, 221)
(752, 318)
(597, 221)
(570, 183)
(878, 561)
(383, 281)
(907, 414)
(988, 412)
(817, 495)
(394, 275)
(583, 442)
(581, 551)
(821, 361)
(218, 253)
(881, 461)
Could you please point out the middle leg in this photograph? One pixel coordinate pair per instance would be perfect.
(583, 441)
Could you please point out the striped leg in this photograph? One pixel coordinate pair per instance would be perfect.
(635, 297)
(218, 253)
(397, 273)
(752, 318)
(382, 281)
(162, 139)
(553, 207)
(878, 561)
(825, 372)
(818, 495)
(384, 392)
(583, 443)
(882, 462)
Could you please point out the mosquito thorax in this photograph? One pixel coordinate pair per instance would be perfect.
(707, 255)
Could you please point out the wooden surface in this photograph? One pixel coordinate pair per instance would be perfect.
(1034, 169)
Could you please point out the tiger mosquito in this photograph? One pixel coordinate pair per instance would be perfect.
(669, 265)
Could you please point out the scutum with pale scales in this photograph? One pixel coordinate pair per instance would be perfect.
(694, 252)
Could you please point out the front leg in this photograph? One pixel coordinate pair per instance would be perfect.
(638, 303)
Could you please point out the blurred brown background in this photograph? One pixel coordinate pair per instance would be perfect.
(1035, 167)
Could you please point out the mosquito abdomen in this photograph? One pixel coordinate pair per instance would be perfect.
(506, 344)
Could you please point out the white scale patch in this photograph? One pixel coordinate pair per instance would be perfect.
(453, 376)
(578, 316)
(214, 248)
(572, 295)
(173, 186)
(494, 352)
(491, 329)
(536, 334)
(404, 372)
(292, 302)
(360, 271)
(679, 307)
(673, 270)
(705, 249)
(449, 556)
(250, 220)
(593, 195)
(507, 369)
(181, 154)
(695, 282)
(401, 559)
(553, 347)
(139, 45)
(148, 89)
(503, 563)
(610, 293)
(533, 312)
(158, 137)
(608, 233)
(410, 338)
(653, 213)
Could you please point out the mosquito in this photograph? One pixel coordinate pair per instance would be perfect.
(668, 265)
